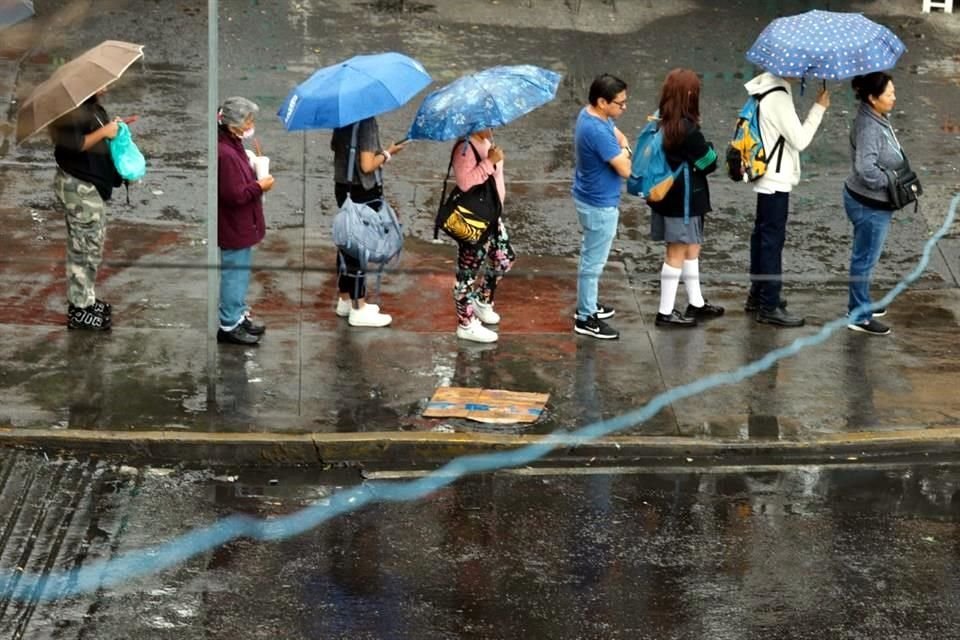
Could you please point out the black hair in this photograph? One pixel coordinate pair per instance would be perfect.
(606, 86)
(871, 84)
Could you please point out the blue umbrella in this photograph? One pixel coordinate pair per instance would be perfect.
(489, 98)
(825, 44)
(350, 91)
(13, 11)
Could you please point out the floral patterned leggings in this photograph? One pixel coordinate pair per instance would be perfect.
(472, 285)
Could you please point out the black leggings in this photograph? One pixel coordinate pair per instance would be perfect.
(351, 277)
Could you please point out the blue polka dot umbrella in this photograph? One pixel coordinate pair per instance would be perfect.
(489, 98)
(825, 44)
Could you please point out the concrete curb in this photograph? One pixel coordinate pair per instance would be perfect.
(427, 449)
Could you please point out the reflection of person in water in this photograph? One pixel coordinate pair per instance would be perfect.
(763, 402)
(353, 594)
(361, 405)
(858, 390)
(86, 402)
(470, 526)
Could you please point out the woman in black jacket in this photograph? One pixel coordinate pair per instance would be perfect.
(675, 219)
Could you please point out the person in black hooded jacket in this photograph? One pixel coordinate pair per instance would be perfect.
(674, 220)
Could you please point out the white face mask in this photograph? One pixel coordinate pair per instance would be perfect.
(249, 132)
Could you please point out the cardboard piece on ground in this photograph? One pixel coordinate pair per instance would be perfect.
(495, 406)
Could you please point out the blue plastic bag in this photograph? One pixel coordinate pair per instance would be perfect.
(130, 163)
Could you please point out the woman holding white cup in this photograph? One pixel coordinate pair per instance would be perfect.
(240, 222)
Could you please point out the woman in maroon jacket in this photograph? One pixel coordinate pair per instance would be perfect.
(240, 224)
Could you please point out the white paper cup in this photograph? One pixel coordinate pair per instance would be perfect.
(261, 164)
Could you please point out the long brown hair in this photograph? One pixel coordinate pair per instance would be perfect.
(679, 99)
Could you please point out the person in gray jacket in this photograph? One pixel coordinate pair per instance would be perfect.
(874, 147)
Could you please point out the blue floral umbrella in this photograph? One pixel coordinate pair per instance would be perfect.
(489, 98)
(350, 91)
(825, 44)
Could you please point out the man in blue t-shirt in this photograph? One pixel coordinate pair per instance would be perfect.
(602, 162)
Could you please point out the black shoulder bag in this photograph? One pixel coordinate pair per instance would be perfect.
(468, 216)
(903, 185)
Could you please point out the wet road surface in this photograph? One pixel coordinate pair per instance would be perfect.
(802, 552)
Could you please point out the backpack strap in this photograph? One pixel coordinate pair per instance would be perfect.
(352, 158)
(778, 146)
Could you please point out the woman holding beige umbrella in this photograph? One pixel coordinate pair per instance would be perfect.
(80, 128)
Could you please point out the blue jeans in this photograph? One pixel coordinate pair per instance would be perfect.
(234, 280)
(599, 226)
(766, 248)
(870, 228)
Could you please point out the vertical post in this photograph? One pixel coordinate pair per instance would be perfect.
(213, 257)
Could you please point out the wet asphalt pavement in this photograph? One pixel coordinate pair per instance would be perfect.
(857, 552)
(314, 374)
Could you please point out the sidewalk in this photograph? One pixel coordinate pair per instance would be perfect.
(315, 383)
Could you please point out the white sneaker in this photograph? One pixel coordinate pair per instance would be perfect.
(344, 306)
(476, 332)
(485, 312)
(368, 316)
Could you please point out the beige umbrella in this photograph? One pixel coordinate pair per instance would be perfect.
(73, 83)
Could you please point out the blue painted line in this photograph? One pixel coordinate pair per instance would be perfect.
(142, 562)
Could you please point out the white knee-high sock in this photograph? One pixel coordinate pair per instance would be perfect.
(691, 280)
(669, 281)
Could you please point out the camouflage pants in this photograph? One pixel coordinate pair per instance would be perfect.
(86, 217)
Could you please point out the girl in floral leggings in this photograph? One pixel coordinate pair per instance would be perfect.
(480, 267)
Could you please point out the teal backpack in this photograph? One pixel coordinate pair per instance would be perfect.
(651, 177)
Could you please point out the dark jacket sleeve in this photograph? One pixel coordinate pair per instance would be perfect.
(698, 152)
(235, 184)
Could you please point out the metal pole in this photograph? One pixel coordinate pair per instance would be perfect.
(213, 257)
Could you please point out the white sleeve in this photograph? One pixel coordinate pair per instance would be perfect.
(782, 115)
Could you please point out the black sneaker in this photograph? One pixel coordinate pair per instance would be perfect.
(102, 308)
(595, 328)
(879, 313)
(779, 318)
(86, 318)
(675, 319)
(705, 312)
(871, 326)
(253, 328)
(604, 312)
(752, 304)
(237, 336)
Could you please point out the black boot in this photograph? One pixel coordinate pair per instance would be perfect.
(779, 317)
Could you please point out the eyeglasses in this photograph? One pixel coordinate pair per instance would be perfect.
(620, 103)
